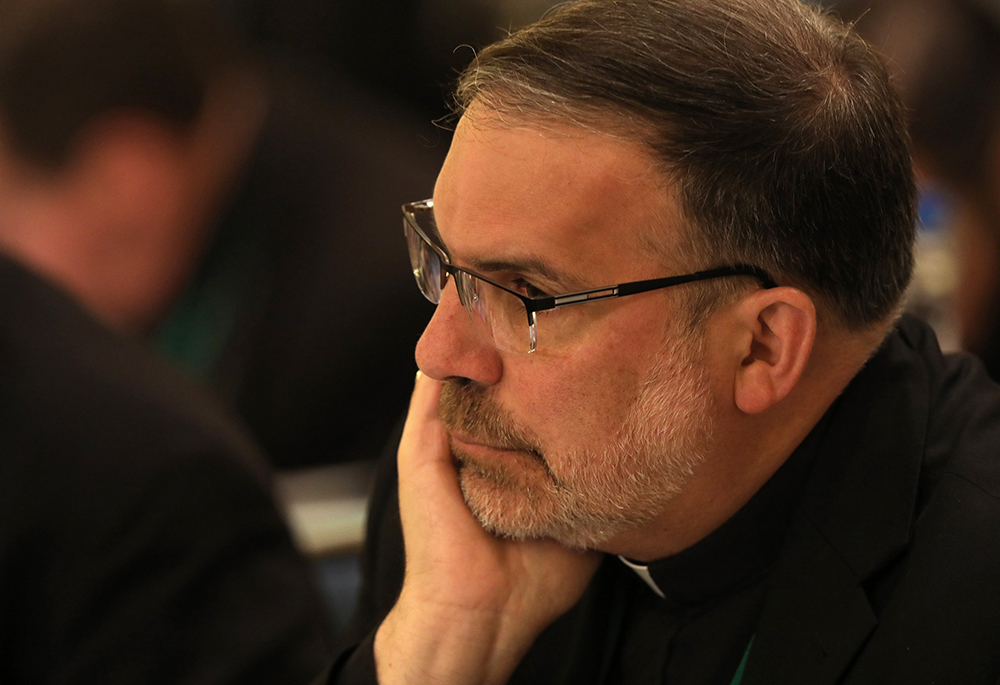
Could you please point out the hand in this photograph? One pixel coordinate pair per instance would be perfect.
(471, 604)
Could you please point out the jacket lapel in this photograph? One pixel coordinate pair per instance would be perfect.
(855, 516)
(816, 617)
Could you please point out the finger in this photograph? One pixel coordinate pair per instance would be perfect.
(429, 493)
(425, 398)
(424, 438)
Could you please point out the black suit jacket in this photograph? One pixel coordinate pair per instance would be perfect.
(890, 571)
(138, 539)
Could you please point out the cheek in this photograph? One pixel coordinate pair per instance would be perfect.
(579, 400)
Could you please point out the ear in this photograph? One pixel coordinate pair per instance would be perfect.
(778, 327)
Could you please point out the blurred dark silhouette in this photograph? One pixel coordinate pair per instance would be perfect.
(946, 59)
(408, 51)
(139, 541)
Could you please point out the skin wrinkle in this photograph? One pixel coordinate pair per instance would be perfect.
(677, 256)
(531, 267)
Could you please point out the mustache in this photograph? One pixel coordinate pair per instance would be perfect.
(470, 409)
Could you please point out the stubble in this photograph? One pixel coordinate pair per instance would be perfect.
(585, 498)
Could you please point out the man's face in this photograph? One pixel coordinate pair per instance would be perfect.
(590, 436)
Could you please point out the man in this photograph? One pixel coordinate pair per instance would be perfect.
(754, 475)
(139, 541)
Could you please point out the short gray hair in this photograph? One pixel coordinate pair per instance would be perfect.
(778, 124)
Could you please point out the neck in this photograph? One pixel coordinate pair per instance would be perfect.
(744, 457)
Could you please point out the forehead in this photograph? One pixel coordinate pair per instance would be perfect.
(582, 202)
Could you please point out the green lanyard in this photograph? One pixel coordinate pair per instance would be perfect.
(738, 678)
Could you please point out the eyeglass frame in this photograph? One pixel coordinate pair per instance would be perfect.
(532, 305)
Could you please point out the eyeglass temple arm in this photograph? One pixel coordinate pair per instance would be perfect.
(545, 303)
(724, 271)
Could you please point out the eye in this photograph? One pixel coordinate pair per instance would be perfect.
(527, 289)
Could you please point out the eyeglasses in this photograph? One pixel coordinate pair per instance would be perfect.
(508, 319)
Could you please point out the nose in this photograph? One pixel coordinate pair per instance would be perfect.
(450, 348)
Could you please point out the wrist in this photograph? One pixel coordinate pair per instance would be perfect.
(430, 642)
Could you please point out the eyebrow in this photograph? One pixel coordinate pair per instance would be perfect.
(529, 266)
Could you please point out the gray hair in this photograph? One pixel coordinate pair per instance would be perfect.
(778, 125)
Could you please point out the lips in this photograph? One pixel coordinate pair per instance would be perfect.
(465, 440)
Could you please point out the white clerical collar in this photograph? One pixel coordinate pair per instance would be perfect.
(643, 572)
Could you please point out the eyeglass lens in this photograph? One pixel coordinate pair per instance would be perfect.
(426, 264)
(497, 315)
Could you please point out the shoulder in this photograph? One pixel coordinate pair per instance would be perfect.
(961, 425)
(938, 602)
(95, 422)
(139, 541)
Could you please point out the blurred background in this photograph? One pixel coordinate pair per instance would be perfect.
(286, 287)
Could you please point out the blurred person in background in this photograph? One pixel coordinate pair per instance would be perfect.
(139, 542)
(250, 226)
(945, 55)
(257, 242)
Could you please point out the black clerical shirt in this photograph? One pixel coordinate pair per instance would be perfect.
(700, 629)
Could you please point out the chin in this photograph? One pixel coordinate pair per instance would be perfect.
(518, 511)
